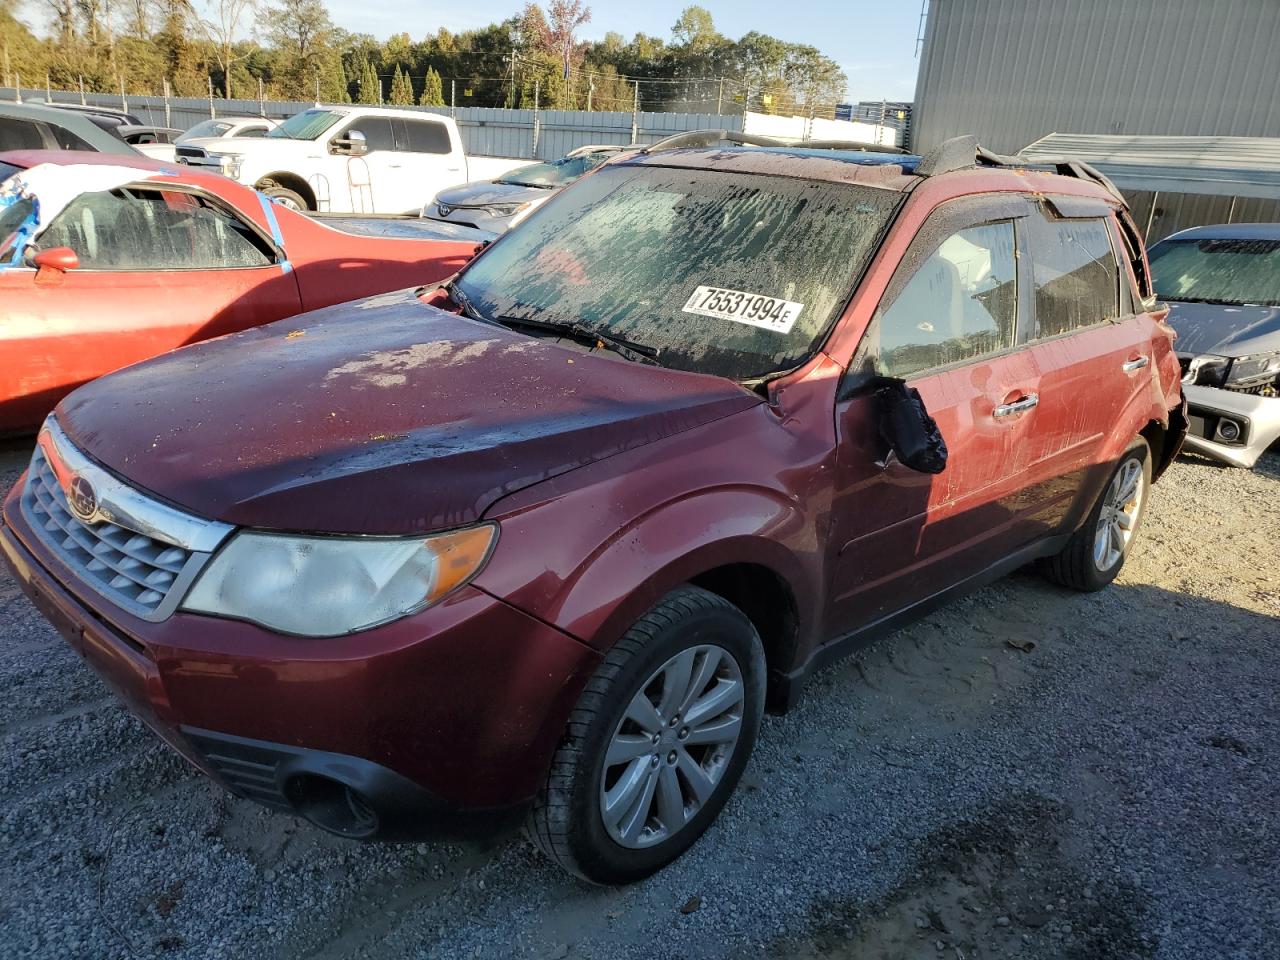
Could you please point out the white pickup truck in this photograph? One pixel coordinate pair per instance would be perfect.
(351, 159)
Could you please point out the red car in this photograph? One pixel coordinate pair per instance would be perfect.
(549, 539)
(131, 257)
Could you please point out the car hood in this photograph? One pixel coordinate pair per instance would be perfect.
(379, 416)
(252, 146)
(1225, 330)
(484, 193)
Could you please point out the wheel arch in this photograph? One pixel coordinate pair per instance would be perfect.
(745, 546)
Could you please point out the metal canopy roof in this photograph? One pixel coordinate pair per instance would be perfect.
(1219, 166)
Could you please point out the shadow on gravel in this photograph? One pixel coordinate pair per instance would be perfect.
(994, 885)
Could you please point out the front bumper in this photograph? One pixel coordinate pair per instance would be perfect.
(1257, 419)
(439, 723)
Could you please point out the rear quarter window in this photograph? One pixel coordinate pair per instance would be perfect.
(1073, 267)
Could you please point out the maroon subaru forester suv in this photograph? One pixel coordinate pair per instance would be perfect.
(547, 540)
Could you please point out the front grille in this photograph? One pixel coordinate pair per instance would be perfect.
(135, 571)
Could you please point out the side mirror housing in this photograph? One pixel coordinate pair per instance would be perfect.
(59, 259)
(905, 425)
(353, 144)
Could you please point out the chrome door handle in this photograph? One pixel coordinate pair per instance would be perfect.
(1133, 365)
(1018, 406)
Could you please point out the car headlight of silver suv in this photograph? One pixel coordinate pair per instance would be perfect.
(316, 586)
(505, 209)
(1255, 369)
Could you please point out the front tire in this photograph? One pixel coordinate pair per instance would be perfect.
(1096, 552)
(656, 743)
(284, 196)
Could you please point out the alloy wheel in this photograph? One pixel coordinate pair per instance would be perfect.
(672, 746)
(1119, 516)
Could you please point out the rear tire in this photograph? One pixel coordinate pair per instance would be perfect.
(588, 818)
(1096, 552)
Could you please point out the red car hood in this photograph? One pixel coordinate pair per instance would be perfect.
(376, 416)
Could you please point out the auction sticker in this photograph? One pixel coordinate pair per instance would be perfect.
(753, 309)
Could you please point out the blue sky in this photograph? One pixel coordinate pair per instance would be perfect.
(872, 40)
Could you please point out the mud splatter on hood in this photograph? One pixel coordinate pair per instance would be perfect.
(381, 416)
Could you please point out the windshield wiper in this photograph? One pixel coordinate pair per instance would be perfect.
(468, 308)
(630, 349)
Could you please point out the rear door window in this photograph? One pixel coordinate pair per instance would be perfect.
(1073, 268)
(424, 136)
(960, 304)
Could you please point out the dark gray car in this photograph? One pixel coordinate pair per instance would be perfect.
(1222, 284)
(26, 127)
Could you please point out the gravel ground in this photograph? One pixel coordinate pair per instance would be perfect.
(1028, 773)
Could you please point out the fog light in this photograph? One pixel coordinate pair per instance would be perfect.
(1229, 430)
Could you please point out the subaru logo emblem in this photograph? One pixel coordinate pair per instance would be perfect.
(82, 499)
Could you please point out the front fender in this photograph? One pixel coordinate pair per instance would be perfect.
(593, 578)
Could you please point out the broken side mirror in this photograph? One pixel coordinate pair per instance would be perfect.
(905, 425)
(58, 259)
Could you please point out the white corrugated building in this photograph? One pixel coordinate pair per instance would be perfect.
(1094, 72)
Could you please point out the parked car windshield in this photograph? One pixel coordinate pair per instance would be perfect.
(729, 274)
(555, 173)
(207, 128)
(306, 125)
(1236, 271)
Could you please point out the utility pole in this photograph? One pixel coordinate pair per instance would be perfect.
(635, 113)
(262, 97)
(453, 98)
(591, 89)
(720, 98)
(48, 88)
(537, 93)
(82, 103)
(880, 125)
(124, 104)
(317, 88)
(168, 122)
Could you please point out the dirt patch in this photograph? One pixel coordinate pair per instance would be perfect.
(993, 887)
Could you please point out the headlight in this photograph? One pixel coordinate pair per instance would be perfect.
(230, 165)
(505, 210)
(329, 586)
(1255, 369)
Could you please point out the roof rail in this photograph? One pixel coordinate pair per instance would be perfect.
(961, 153)
(709, 138)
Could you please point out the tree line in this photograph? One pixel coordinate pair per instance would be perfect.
(292, 50)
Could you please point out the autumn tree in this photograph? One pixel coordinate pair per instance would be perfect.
(432, 90)
(401, 89)
(222, 24)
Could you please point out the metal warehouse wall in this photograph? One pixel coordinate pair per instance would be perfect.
(1012, 71)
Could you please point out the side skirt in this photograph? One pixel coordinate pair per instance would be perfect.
(785, 688)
